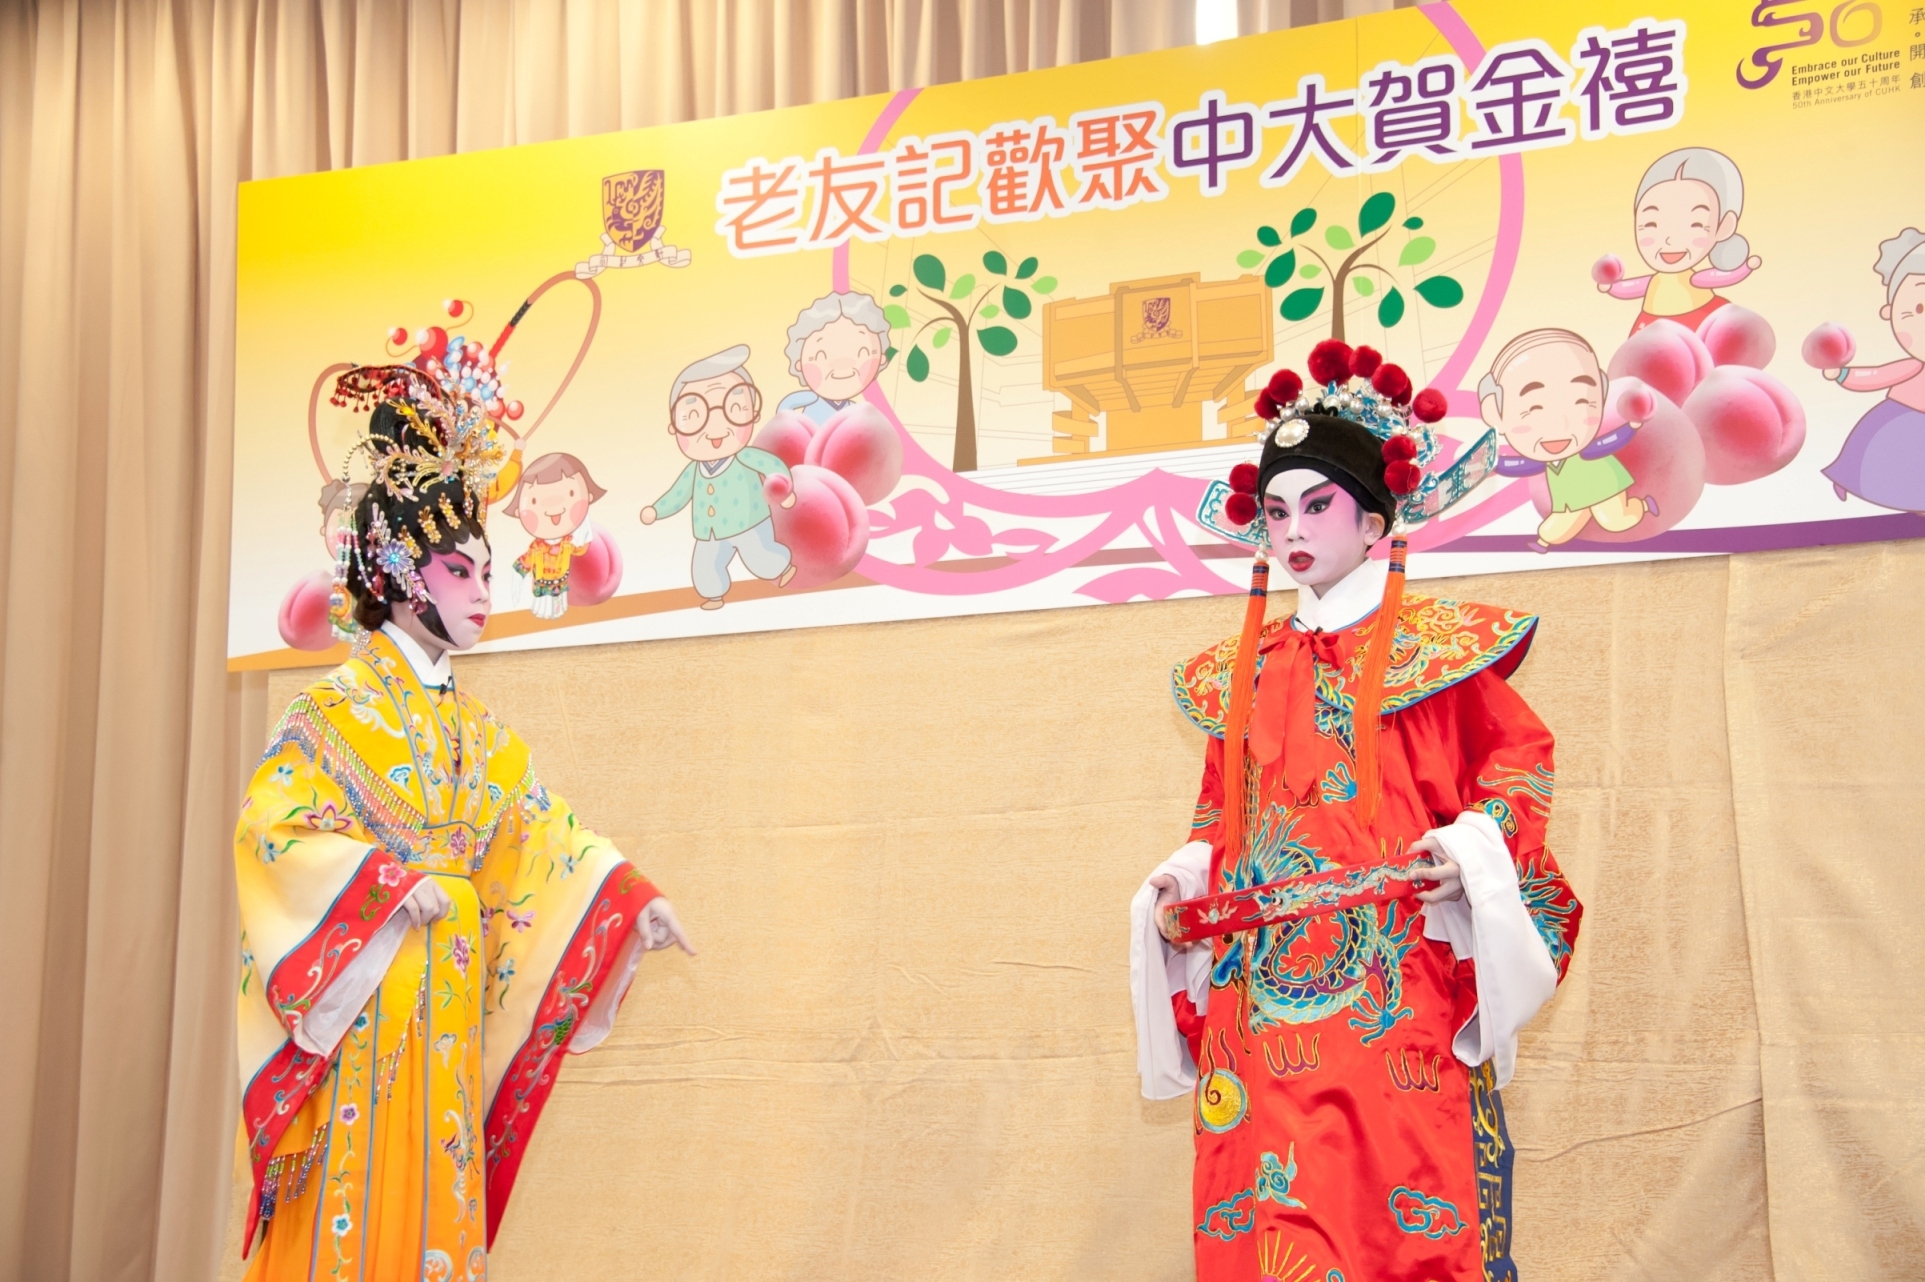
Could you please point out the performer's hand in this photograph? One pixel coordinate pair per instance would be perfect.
(648, 515)
(427, 902)
(1444, 871)
(659, 927)
(1167, 893)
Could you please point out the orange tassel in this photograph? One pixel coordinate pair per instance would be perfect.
(1370, 691)
(1243, 694)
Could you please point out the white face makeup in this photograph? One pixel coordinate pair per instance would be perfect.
(458, 581)
(1316, 529)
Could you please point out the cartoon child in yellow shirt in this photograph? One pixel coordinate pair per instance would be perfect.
(551, 502)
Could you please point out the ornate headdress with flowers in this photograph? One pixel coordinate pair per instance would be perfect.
(433, 447)
(1374, 439)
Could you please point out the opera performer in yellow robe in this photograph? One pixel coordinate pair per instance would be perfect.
(426, 929)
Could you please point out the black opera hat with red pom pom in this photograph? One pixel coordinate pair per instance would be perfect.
(1373, 440)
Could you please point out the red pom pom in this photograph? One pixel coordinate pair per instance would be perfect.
(1330, 361)
(1243, 478)
(1284, 386)
(1399, 449)
(1364, 361)
(1392, 384)
(1239, 509)
(1429, 406)
(1402, 476)
(1266, 406)
(398, 336)
(432, 340)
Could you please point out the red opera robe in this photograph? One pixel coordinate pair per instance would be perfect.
(1346, 1067)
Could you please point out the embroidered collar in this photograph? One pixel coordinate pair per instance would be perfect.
(433, 674)
(1345, 603)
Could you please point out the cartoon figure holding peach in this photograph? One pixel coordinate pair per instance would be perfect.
(1545, 395)
(551, 501)
(1883, 460)
(1685, 216)
(728, 483)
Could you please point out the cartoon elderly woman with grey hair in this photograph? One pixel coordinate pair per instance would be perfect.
(837, 346)
(1685, 216)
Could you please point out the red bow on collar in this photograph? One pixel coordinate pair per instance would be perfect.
(1283, 724)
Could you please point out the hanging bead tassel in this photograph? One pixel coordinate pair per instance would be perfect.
(1370, 690)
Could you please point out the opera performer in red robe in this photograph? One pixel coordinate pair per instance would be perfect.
(1346, 1036)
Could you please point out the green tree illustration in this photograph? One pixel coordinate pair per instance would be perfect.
(1290, 264)
(958, 306)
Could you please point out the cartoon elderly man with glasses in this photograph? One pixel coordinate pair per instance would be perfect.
(712, 412)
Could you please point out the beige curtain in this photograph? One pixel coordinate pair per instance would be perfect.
(905, 1050)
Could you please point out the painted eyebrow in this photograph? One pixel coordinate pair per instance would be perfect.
(1585, 379)
(1312, 492)
(1696, 208)
(1528, 388)
(465, 559)
(1649, 209)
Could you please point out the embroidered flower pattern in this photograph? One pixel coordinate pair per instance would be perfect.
(458, 953)
(389, 874)
(342, 1225)
(326, 819)
(521, 921)
(350, 1114)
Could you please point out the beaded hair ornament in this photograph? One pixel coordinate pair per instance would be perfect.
(1399, 425)
(450, 436)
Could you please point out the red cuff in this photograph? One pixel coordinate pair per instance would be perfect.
(585, 965)
(363, 907)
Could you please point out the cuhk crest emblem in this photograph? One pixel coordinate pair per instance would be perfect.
(632, 208)
(1156, 317)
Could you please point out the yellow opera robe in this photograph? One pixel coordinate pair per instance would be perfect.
(391, 1075)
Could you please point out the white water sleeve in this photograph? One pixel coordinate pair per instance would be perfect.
(340, 1002)
(1491, 926)
(599, 1018)
(1158, 972)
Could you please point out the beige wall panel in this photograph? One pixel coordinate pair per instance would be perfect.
(1824, 658)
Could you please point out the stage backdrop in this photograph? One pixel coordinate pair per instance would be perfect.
(1004, 333)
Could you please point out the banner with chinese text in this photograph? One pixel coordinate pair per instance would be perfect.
(985, 346)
